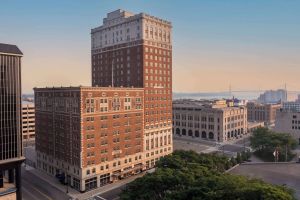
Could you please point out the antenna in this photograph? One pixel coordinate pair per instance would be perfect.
(286, 95)
(230, 90)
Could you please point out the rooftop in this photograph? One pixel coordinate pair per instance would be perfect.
(10, 49)
(214, 104)
(118, 16)
(88, 88)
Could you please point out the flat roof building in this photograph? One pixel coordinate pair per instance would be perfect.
(121, 125)
(288, 121)
(209, 120)
(10, 117)
(291, 105)
(28, 123)
(258, 112)
(135, 50)
(89, 135)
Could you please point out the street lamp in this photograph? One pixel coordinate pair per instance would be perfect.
(66, 178)
(67, 182)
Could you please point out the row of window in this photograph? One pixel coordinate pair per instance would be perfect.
(115, 156)
(156, 152)
(158, 65)
(157, 51)
(160, 125)
(115, 164)
(157, 78)
(158, 142)
(91, 101)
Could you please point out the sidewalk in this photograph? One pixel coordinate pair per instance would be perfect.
(52, 181)
(74, 194)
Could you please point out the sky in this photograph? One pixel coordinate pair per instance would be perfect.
(250, 45)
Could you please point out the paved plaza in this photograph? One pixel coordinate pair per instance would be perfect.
(276, 173)
(182, 144)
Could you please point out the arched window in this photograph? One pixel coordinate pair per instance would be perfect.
(177, 131)
(197, 134)
(211, 135)
(183, 132)
(190, 133)
(203, 135)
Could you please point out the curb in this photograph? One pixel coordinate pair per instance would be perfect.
(235, 166)
(268, 163)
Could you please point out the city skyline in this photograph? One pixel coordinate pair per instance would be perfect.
(242, 42)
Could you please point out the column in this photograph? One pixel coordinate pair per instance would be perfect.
(11, 176)
(18, 182)
(82, 185)
(1, 179)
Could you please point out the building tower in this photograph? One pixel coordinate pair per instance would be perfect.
(135, 50)
(10, 121)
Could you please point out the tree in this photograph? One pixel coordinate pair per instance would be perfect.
(238, 158)
(188, 175)
(243, 156)
(264, 142)
(233, 161)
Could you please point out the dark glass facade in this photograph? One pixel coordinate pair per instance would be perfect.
(10, 120)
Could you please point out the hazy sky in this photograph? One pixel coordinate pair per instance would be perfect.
(248, 44)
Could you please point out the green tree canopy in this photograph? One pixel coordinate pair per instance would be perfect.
(188, 175)
(264, 142)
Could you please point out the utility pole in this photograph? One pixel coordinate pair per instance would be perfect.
(112, 72)
(285, 152)
(67, 182)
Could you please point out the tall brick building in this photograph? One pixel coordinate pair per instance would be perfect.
(136, 51)
(90, 136)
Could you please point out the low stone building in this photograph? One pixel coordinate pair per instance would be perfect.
(209, 120)
(288, 121)
(262, 112)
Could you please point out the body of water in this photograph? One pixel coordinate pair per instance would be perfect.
(219, 95)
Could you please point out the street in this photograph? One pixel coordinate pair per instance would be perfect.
(111, 195)
(34, 188)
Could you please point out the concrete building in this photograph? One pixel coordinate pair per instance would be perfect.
(273, 96)
(209, 120)
(298, 100)
(258, 112)
(28, 123)
(288, 121)
(252, 126)
(135, 50)
(292, 106)
(10, 122)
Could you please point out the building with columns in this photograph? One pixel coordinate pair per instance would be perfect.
(213, 121)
